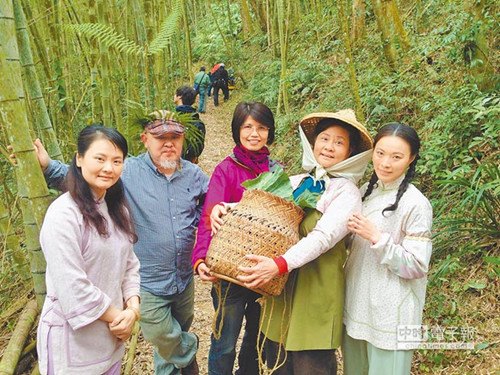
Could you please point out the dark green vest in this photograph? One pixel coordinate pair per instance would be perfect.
(308, 314)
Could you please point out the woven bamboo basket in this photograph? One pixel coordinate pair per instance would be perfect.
(261, 224)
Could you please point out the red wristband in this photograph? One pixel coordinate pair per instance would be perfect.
(282, 265)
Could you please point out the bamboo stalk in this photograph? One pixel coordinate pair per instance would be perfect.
(358, 29)
(41, 52)
(246, 20)
(13, 244)
(142, 40)
(14, 308)
(40, 113)
(188, 41)
(32, 189)
(150, 60)
(14, 348)
(350, 61)
(226, 44)
(385, 34)
(28, 348)
(398, 25)
(283, 19)
(105, 81)
(131, 350)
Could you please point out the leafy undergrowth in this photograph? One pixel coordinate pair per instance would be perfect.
(462, 301)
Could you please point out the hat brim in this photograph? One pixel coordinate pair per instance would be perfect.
(309, 122)
(160, 130)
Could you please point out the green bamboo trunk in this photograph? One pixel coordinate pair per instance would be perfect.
(37, 38)
(32, 189)
(246, 20)
(13, 351)
(41, 117)
(94, 74)
(385, 33)
(140, 29)
(104, 64)
(12, 244)
(478, 52)
(350, 61)
(57, 78)
(398, 25)
(283, 20)
(358, 24)
(188, 41)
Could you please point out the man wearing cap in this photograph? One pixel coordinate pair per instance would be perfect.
(165, 194)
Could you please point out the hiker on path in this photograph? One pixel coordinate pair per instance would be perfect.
(220, 81)
(252, 129)
(92, 273)
(201, 83)
(184, 99)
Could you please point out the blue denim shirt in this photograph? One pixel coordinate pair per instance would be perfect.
(166, 212)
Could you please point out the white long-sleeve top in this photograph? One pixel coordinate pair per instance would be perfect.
(86, 273)
(340, 199)
(386, 282)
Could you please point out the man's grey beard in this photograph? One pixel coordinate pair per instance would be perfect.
(169, 164)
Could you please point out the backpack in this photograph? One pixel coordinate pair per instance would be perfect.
(218, 78)
(191, 153)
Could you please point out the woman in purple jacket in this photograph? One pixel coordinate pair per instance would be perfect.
(253, 129)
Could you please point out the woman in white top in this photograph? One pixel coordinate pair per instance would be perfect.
(386, 273)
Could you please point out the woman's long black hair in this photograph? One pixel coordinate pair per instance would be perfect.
(115, 196)
(408, 134)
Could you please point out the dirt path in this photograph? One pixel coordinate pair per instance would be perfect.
(218, 145)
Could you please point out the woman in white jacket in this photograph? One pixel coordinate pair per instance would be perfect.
(386, 272)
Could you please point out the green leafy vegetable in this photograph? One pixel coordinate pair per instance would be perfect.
(278, 183)
(307, 199)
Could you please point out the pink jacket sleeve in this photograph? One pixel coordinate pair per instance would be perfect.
(219, 190)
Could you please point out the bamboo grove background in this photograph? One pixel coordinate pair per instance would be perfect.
(430, 63)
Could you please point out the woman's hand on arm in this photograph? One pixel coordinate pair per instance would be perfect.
(363, 227)
(263, 271)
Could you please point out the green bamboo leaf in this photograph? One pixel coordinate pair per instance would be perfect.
(167, 30)
(106, 35)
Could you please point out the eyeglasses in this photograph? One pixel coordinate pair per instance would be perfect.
(261, 129)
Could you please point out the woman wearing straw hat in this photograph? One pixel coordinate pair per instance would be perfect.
(303, 326)
(252, 129)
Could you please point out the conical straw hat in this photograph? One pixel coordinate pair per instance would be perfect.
(346, 116)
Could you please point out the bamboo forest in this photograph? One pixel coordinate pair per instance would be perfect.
(430, 64)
